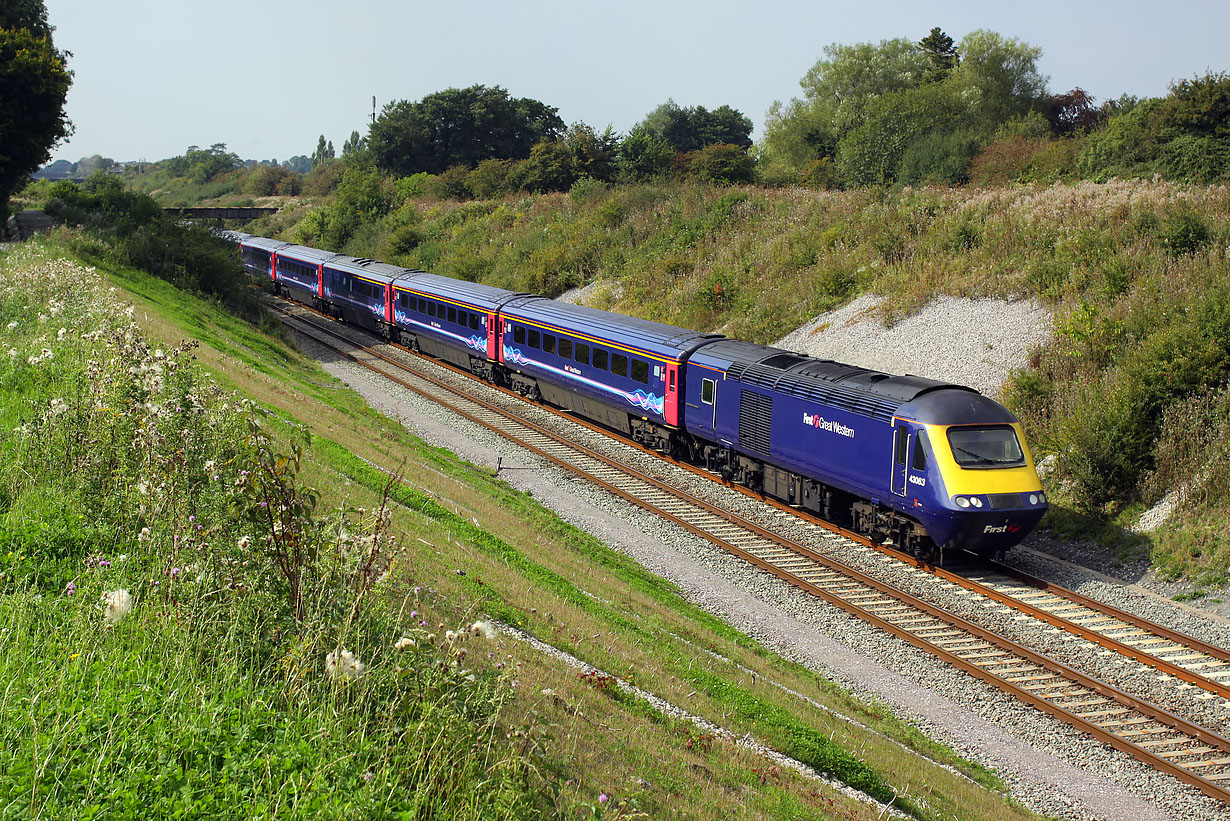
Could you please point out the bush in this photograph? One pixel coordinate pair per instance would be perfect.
(720, 165)
(449, 184)
(937, 159)
(489, 179)
(133, 230)
(323, 178)
(1185, 233)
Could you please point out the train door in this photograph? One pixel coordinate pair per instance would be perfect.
(493, 342)
(901, 447)
(670, 408)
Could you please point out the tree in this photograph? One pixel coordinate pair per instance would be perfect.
(34, 81)
(548, 168)
(323, 153)
(999, 76)
(941, 54)
(1073, 112)
(300, 164)
(459, 127)
(689, 129)
(721, 165)
(593, 154)
(202, 165)
(354, 144)
(643, 157)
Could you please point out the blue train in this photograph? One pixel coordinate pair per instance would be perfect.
(919, 464)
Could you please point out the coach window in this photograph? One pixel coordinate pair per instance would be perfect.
(452, 314)
(640, 371)
(706, 390)
(619, 364)
(535, 339)
(548, 343)
(582, 353)
(461, 318)
(474, 322)
(565, 347)
(422, 305)
(600, 358)
(519, 334)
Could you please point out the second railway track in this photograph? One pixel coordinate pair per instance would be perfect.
(1196, 755)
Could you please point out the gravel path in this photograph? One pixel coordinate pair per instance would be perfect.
(1052, 768)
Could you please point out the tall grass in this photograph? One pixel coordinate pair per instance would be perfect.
(184, 632)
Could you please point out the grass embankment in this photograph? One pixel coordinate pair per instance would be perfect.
(250, 664)
(1129, 397)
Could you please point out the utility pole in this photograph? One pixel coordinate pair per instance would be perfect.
(373, 109)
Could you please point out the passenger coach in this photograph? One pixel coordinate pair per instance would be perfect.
(622, 372)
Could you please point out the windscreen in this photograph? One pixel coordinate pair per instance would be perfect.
(986, 447)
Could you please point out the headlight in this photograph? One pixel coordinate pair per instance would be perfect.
(1033, 498)
(1042, 498)
(975, 501)
(961, 501)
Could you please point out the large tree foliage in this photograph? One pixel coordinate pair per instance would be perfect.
(34, 81)
(693, 128)
(870, 106)
(459, 127)
(202, 164)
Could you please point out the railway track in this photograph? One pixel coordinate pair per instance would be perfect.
(1170, 743)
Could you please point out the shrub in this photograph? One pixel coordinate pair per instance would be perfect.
(489, 179)
(132, 229)
(449, 184)
(1184, 233)
(721, 165)
(937, 158)
(323, 178)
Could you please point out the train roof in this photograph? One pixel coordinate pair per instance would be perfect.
(484, 297)
(859, 390)
(303, 252)
(658, 338)
(382, 272)
(237, 237)
(264, 243)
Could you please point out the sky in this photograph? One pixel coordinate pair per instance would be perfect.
(268, 77)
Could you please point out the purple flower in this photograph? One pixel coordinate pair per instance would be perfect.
(70, 589)
(192, 518)
(602, 799)
(174, 572)
(104, 563)
(414, 614)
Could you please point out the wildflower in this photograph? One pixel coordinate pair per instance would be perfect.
(209, 466)
(144, 535)
(341, 664)
(451, 636)
(119, 604)
(58, 407)
(602, 798)
(12, 353)
(70, 589)
(484, 629)
(244, 541)
(404, 643)
(60, 334)
(12, 324)
(547, 691)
